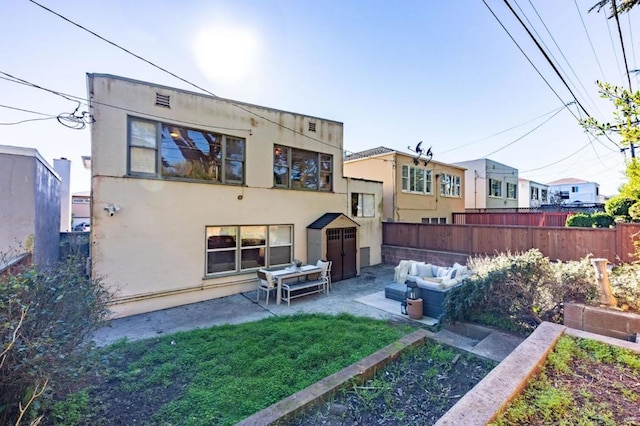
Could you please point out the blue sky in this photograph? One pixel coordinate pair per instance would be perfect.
(395, 73)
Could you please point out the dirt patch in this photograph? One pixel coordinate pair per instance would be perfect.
(417, 389)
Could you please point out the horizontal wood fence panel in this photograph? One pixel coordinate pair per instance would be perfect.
(512, 218)
(557, 243)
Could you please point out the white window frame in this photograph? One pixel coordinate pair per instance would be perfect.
(450, 185)
(513, 186)
(364, 205)
(410, 180)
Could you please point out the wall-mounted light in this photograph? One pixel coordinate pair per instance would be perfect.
(112, 209)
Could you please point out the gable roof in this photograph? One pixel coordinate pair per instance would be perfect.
(567, 181)
(326, 219)
(369, 153)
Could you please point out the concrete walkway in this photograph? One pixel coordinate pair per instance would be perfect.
(242, 308)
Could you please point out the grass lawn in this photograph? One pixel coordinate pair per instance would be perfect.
(584, 382)
(219, 375)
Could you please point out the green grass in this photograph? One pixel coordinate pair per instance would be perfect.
(549, 399)
(224, 374)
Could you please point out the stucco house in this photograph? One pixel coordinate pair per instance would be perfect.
(490, 185)
(191, 194)
(411, 192)
(532, 194)
(572, 190)
(80, 208)
(30, 206)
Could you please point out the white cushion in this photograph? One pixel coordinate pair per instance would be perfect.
(462, 270)
(424, 270)
(428, 284)
(413, 270)
(442, 272)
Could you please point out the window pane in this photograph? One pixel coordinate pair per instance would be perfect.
(279, 235)
(190, 153)
(221, 261)
(369, 205)
(354, 204)
(405, 178)
(304, 169)
(325, 182)
(233, 171)
(143, 133)
(281, 166)
(279, 255)
(252, 258)
(325, 163)
(253, 235)
(419, 181)
(142, 160)
(235, 148)
(221, 237)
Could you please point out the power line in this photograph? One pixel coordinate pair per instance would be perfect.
(26, 121)
(523, 136)
(526, 56)
(27, 110)
(589, 38)
(613, 46)
(545, 56)
(178, 77)
(624, 53)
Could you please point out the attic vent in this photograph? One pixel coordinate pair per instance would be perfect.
(312, 127)
(163, 100)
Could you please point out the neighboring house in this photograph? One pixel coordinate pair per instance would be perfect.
(411, 192)
(62, 166)
(532, 194)
(81, 208)
(191, 194)
(489, 184)
(571, 190)
(30, 208)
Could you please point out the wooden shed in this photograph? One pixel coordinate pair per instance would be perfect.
(335, 237)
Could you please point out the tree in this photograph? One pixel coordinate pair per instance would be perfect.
(621, 7)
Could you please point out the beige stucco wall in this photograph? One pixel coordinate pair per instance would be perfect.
(407, 207)
(370, 231)
(477, 176)
(152, 251)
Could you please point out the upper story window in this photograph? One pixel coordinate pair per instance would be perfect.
(544, 194)
(575, 189)
(535, 193)
(512, 192)
(449, 185)
(495, 188)
(168, 151)
(416, 180)
(362, 205)
(295, 168)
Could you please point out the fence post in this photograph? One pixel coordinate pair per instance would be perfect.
(602, 279)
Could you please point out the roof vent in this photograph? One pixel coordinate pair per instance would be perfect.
(312, 127)
(163, 100)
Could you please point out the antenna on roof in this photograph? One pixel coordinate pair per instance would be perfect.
(428, 154)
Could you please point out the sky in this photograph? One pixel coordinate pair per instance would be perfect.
(394, 73)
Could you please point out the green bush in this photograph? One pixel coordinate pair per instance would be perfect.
(619, 206)
(625, 285)
(582, 220)
(634, 212)
(602, 220)
(46, 316)
(517, 292)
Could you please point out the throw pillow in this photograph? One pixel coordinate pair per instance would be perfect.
(424, 270)
(414, 268)
(442, 272)
(451, 274)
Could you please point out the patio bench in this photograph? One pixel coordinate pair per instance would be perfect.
(302, 288)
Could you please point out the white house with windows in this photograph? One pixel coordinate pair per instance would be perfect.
(191, 194)
(572, 190)
(532, 194)
(412, 190)
(489, 184)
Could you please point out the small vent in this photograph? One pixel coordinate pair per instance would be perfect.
(163, 100)
(312, 127)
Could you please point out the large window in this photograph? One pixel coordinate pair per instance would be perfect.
(544, 196)
(300, 169)
(241, 248)
(362, 205)
(512, 192)
(416, 180)
(449, 185)
(495, 188)
(168, 151)
(535, 193)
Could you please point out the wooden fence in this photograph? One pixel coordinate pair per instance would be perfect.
(558, 243)
(537, 218)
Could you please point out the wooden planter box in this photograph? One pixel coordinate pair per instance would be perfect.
(604, 321)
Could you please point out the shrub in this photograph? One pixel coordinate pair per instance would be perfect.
(602, 220)
(517, 292)
(619, 206)
(582, 220)
(625, 285)
(46, 316)
(634, 212)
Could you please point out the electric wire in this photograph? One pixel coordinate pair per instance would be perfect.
(523, 136)
(184, 80)
(27, 110)
(546, 56)
(590, 42)
(613, 47)
(633, 49)
(26, 121)
(624, 52)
